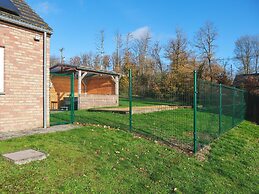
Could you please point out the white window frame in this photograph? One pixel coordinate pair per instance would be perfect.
(2, 52)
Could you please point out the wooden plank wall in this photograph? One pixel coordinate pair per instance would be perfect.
(98, 85)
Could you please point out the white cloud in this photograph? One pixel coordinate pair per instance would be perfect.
(141, 33)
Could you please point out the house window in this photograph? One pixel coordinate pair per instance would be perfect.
(1, 70)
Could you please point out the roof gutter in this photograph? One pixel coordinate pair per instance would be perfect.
(23, 24)
(87, 70)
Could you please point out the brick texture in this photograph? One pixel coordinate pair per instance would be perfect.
(94, 101)
(21, 106)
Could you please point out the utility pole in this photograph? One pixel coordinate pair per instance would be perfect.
(102, 47)
(61, 55)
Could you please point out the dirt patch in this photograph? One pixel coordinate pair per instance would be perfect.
(188, 133)
(203, 153)
(173, 143)
(139, 110)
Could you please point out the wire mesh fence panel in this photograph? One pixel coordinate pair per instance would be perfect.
(239, 109)
(61, 101)
(165, 115)
(220, 108)
(100, 104)
(228, 104)
(207, 112)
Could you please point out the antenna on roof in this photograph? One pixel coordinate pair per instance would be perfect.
(61, 55)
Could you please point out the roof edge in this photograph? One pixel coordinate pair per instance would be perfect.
(26, 25)
(86, 69)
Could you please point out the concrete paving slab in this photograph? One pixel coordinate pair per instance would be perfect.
(25, 156)
(14, 134)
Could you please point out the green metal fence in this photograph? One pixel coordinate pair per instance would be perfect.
(62, 100)
(165, 116)
(191, 115)
(219, 109)
(187, 113)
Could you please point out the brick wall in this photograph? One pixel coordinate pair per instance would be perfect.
(93, 101)
(21, 105)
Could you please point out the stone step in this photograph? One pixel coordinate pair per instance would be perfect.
(25, 156)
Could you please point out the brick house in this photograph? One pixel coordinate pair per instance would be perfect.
(97, 88)
(24, 67)
(250, 82)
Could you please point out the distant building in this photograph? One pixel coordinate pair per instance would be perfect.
(250, 82)
(92, 88)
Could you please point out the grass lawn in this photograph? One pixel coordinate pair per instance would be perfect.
(173, 126)
(94, 160)
(64, 117)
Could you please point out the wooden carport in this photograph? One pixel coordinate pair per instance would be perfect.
(93, 88)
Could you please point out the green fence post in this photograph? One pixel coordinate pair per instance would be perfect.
(195, 112)
(72, 101)
(220, 109)
(233, 107)
(130, 100)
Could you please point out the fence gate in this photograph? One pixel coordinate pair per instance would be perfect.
(61, 102)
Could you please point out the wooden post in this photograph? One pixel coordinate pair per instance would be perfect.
(117, 85)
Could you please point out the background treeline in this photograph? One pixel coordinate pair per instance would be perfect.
(163, 69)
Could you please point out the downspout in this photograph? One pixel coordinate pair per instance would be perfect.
(45, 108)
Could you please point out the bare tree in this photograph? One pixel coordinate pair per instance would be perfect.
(127, 58)
(54, 60)
(116, 57)
(106, 62)
(141, 50)
(155, 53)
(76, 61)
(87, 59)
(205, 42)
(255, 45)
(97, 62)
(176, 51)
(243, 52)
(100, 47)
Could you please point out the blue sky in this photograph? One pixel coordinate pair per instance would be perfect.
(77, 23)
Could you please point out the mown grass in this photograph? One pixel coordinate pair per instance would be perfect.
(172, 126)
(101, 160)
(56, 117)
